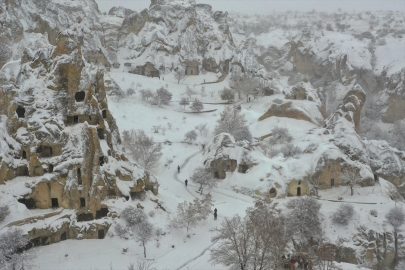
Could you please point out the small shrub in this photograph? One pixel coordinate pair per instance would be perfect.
(4, 211)
(278, 101)
(133, 216)
(191, 136)
(343, 214)
(280, 135)
(374, 213)
(290, 150)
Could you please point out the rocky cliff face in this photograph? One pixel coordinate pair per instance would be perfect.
(58, 135)
(173, 34)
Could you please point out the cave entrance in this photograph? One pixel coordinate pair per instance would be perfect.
(85, 217)
(101, 234)
(273, 192)
(29, 203)
(50, 168)
(55, 203)
(100, 133)
(104, 113)
(244, 168)
(44, 241)
(79, 96)
(63, 236)
(376, 178)
(216, 175)
(24, 154)
(20, 112)
(82, 202)
(298, 191)
(75, 119)
(101, 161)
(44, 151)
(101, 213)
(332, 182)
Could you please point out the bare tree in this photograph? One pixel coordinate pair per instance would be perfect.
(142, 148)
(197, 106)
(180, 75)
(190, 92)
(144, 233)
(396, 218)
(303, 220)
(245, 85)
(184, 102)
(4, 211)
(351, 177)
(343, 214)
(231, 121)
(190, 213)
(162, 96)
(201, 128)
(228, 95)
(191, 136)
(234, 248)
(203, 177)
(12, 250)
(256, 242)
(312, 181)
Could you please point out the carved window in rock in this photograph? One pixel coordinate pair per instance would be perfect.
(82, 202)
(228, 168)
(55, 203)
(244, 168)
(20, 112)
(50, 168)
(79, 176)
(332, 182)
(75, 119)
(104, 113)
(298, 191)
(100, 133)
(101, 161)
(216, 175)
(101, 234)
(80, 96)
(63, 236)
(24, 155)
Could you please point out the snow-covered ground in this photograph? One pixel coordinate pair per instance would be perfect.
(174, 250)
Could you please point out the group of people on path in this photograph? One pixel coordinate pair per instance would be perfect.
(297, 262)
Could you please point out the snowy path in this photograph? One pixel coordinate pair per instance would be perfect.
(196, 257)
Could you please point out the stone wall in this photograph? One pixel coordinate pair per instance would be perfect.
(219, 167)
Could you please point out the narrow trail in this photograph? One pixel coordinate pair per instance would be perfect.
(196, 257)
(182, 166)
(193, 185)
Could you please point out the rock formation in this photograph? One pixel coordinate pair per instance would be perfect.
(58, 136)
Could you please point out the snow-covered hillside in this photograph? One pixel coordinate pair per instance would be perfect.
(84, 96)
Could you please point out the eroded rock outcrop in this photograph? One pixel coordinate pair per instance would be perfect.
(58, 134)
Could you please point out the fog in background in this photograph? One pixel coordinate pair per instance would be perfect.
(268, 6)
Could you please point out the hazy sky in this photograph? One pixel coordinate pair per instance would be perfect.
(267, 6)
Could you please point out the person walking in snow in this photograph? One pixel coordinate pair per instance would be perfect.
(178, 169)
(215, 214)
(186, 182)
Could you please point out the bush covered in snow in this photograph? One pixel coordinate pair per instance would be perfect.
(162, 96)
(280, 135)
(228, 95)
(343, 214)
(290, 150)
(12, 254)
(232, 121)
(190, 136)
(4, 211)
(374, 213)
(197, 106)
(133, 216)
(278, 101)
